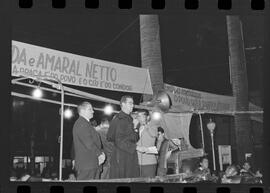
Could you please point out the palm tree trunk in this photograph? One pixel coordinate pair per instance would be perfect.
(151, 52)
(239, 82)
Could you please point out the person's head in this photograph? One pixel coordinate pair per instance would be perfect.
(68, 163)
(142, 116)
(85, 109)
(94, 123)
(186, 169)
(259, 169)
(161, 134)
(246, 166)
(231, 171)
(204, 162)
(127, 104)
(104, 123)
(71, 176)
(47, 175)
(54, 175)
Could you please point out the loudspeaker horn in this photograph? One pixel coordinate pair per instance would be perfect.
(161, 100)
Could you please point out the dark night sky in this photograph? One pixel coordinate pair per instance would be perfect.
(194, 49)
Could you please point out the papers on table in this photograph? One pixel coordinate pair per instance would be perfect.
(152, 150)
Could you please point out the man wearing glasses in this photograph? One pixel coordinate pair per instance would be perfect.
(124, 135)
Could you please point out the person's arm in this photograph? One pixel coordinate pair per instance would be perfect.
(72, 153)
(258, 174)
(168, 154)
(112, 130)
(159, 142)
(152, 130)
(141, 149)
(88, 138)
(136, 135)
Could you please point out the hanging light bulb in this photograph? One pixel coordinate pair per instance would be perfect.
(156, 115)
(68, 113)
(37, 93)
(211, 126)
(108, 109)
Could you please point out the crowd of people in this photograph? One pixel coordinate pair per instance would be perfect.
(48, 173)
(233, 174)
(131, 146)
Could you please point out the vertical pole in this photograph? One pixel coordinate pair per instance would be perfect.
(151, 51)
(239, 86)
(61, 132)
(177, 163)
(220, 158)
(213, 151)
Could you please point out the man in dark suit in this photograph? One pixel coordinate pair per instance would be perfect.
(87, 145)
(163, 153)
(107, 146)
(124, 136)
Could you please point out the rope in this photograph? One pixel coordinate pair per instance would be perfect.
(116, 37)
(201, 126)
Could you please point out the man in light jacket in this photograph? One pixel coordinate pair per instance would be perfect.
(148, 136)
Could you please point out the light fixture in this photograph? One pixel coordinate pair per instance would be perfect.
(108, 109)
(37, 93)
(156, 115)
(68, 113)
(211, 127)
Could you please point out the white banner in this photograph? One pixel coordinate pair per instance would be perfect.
(78, 70)
(176, 126)
(187, 99)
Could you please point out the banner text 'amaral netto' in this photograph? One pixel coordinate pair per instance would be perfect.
(78, 70)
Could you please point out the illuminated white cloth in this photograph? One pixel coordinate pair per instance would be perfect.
(176, 125)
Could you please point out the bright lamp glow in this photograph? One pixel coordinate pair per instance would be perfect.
(156, 115)
(108, 110)
(37, 93)
(211, 125)
(68, 113)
